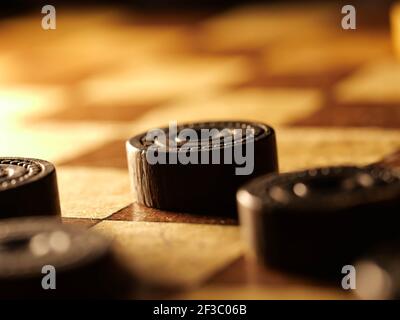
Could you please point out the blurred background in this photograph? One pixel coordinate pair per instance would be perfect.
(124, 66)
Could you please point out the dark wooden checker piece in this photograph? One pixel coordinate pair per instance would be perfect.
(316, 221)
(28, 187)
(83, 261)
(203, 188)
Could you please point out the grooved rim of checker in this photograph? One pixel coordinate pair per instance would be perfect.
(386, 185)
(85, 247)
(30, 169)
(259, 130)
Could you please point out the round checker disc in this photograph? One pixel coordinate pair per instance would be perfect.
(28, 187)
(199, 186)
(83, 261)
(315, 222)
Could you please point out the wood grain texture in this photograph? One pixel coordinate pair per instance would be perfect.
(161, 254)
(93, 193)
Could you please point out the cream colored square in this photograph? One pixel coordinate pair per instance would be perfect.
(274, 106)
(93, 193)
(55, 142)
(300, 148)
(173, 254)
(378, 83)
(23, 104)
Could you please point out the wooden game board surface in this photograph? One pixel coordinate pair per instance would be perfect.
(73, 96)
